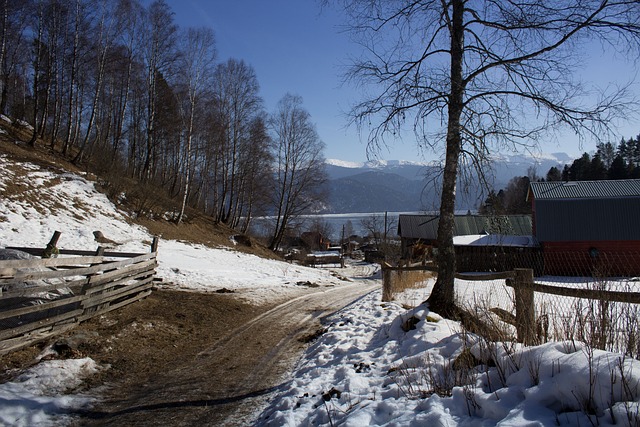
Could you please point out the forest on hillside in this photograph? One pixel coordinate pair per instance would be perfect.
(118, 86)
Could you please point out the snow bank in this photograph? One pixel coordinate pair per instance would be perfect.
(371, 368)
(38, 396)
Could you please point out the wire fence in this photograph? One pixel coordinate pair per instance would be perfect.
(588, 297)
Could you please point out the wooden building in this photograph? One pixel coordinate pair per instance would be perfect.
(588, 227)
(482, 242)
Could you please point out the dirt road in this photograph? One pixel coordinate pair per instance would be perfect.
(224, 379)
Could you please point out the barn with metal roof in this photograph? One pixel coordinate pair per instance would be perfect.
(594, 221)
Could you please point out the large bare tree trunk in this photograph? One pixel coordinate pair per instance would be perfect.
(442, 299)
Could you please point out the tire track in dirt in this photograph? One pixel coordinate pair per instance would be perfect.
(230, 381)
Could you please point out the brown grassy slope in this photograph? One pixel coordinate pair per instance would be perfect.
(198, 228)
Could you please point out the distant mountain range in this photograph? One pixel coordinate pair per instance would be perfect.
(405, 186)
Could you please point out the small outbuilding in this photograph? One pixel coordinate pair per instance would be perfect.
(482, 242)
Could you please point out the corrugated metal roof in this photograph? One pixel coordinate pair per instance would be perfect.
(594, 219)
(418, 226)
(586, 189)
(426, 226)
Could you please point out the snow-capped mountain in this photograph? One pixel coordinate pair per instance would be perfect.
(401, 185)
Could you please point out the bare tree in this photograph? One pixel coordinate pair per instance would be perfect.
(37, 66)
(72, 83)
(196, 71)
(130, 16)
(159, 50)
(106, 28)
(472, 76)
(255, 175)
(14, 18)
(237, 104)
(299, 164)
(380, 227)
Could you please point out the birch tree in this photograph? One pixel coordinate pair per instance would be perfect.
(105, 30)
(196, 71)
(130, 17)
(237, 104)
(37, 66)
(73, 76)
(158, 53)
(299, 164)
(14, 18)
(473, 76)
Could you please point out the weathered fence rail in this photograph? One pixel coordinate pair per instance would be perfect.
(521, 280)
(40, 298)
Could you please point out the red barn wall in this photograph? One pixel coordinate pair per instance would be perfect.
(613, 258)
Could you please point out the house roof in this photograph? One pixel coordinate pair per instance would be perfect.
(495, 240)
(585, 189)
(426, 226)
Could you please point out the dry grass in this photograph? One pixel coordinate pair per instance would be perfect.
(397, 281)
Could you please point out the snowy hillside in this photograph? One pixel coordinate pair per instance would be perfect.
(69, 203)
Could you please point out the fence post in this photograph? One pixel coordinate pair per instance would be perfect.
(154, 244)
(51, 251)
(525, 313)
(88, 285)
(387, 286)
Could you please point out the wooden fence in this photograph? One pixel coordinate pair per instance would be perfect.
(40, 298)
(524, 287)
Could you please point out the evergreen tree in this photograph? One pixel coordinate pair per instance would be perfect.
(607, 153)
(580, 168)
(597, 169)
(618, 169)
(554, 174)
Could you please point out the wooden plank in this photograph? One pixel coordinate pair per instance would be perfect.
(118, 293)
(412, 268)
(115, 306)
(595, 294)
(61, 274)
(7, 273)
(20, 330)
(110, 254)
(91, 289)
(31, 290)
(40, 307)
(12, 344)
(483, 277)
(84, 271)
(146, 266)
(50, 262)
(114, 275)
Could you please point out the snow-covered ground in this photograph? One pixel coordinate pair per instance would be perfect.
(368, 370)
(377, 364)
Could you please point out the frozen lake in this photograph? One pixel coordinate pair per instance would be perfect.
(335, 222)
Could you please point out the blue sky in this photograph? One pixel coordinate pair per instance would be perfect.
(295, 46)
